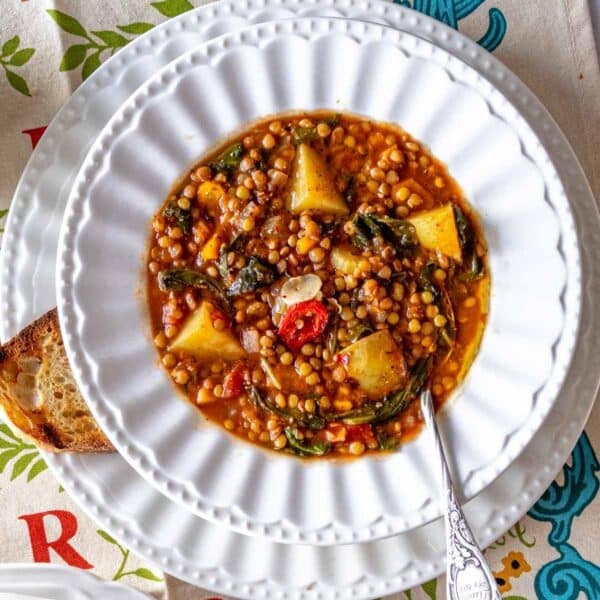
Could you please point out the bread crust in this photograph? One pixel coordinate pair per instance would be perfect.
(60, 420)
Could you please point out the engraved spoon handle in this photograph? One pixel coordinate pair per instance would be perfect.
(468, 576)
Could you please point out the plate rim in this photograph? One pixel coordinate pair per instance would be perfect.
(284, 530)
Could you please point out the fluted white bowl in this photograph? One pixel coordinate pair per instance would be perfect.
(171, 121)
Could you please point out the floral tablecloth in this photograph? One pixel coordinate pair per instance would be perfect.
(48, 47)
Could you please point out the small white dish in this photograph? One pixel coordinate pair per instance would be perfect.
(56, 582)
(170, 122)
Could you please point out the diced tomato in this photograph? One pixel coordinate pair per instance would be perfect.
(233, 384)
(302, 323)
(360, 433)
(336, 432)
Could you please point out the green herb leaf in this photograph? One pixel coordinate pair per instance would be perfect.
(333, 121)
(21, 464)
(67, 23)
(111, 38)
(172, 8)
(332, 341)
(38, 467)
(360, 238)
(10, 46)
(392, 404)
(426, 279)
(17, 82)
(73, 57)
(136, 28)
(179, 279)
(305, 447)
(303, 135)
(473, 269)
(145, 574)
(20, 57)
(90, 65)
(254, 275)
(308, 420)
(387, 443)
(360, 331)
(229, 159)
(182, 217)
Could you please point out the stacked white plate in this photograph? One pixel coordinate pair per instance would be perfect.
(184, 530)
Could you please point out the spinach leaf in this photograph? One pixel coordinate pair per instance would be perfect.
(332, 341)
(401, 234)
(426, 279)
(333, 121)
(392, 404)
(303, 135)
(350, 191)
(229, 159)
(305, 447)
(360, 331)
(182, 217)
(473, 269)
(308, 420)
(254, 275)
(387, 443)
(361, 236)
(179, 279)
(221, 263)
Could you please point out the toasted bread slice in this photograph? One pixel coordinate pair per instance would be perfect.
(39, 395)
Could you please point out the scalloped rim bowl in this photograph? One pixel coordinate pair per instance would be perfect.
(308, 64)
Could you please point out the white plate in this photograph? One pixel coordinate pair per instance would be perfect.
(111, 492)
(171, 121)
(56, 582)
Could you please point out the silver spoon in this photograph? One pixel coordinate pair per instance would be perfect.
(468, 576)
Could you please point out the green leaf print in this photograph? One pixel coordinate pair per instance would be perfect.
(146, 574)
(18, 59)
(94, 46)
(73, 57)
(111, 38)
(26, 455)
(21, 464)
(430, 588)
(9, 47)
(13, 57)
(38, 467)
(136, 28)
(67, 22)
(172, 8)
(90, 65)
(17, 82)
(3, 214)
(121, 572)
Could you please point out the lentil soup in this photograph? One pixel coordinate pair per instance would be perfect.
(306, 281)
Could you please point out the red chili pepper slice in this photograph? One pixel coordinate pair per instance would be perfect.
(233, 384)
(302, 322)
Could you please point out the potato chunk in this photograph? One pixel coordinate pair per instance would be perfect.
(345, 261)
(376, 363)
(199, 338)
(313, 187)
(436, 230)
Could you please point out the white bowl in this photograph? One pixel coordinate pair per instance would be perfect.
(174, 119)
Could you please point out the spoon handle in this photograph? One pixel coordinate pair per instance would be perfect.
(468, 576)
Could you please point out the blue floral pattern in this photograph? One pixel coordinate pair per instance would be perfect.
(570, 575)
(451, 12)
